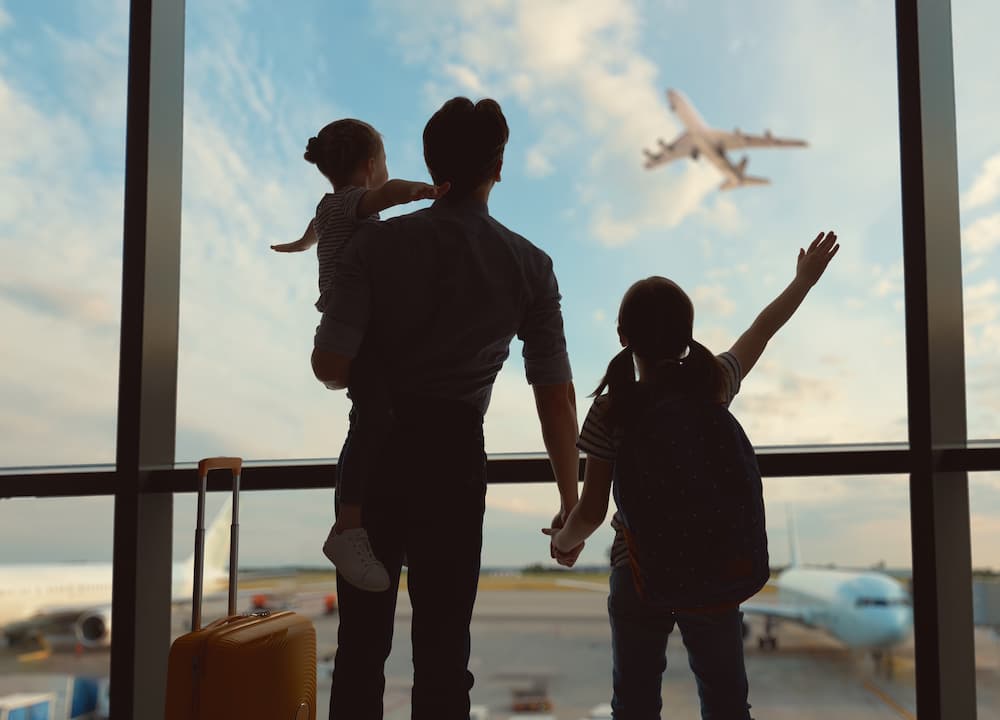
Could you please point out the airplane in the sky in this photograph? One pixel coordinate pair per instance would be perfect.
(75, 600)
(698, 139)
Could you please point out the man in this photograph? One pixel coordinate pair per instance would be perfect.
(437, 296)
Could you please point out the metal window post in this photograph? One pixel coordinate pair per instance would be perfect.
(932, 259)
(147, 385)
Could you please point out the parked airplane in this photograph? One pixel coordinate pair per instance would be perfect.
(864, 610)
(42, 600)
(699, 139)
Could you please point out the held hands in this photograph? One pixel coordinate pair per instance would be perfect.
(813, 261)
(567, 558)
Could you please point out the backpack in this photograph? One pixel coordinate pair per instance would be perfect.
(689, 494)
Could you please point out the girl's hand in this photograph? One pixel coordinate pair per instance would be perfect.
(423, 191)
(813, 261)
(567, 558)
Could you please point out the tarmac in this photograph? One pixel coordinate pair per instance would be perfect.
(561, 640)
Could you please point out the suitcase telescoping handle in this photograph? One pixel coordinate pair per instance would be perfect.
(234, 465)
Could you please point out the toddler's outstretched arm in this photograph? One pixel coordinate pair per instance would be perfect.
(811, 264)
(398, 192)
(305, 242)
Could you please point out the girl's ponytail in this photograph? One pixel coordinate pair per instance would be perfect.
(620, 382)
(701, 372)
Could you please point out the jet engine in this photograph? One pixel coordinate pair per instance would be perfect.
(93, 628)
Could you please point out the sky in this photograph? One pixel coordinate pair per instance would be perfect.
(582, 84)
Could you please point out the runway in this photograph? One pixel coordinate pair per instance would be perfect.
(563, 636)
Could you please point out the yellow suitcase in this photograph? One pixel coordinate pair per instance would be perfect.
(241, 667)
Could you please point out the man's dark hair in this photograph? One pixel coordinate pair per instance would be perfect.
(463, 143)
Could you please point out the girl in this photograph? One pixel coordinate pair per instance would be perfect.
(350, 154)
(690, 543)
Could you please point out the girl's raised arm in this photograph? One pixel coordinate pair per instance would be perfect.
(811, 264)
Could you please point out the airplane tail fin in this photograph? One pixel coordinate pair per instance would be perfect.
(794, 560)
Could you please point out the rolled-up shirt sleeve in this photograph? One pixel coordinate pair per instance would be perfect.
(546, 361)
(345, 320)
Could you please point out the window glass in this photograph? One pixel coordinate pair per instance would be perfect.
(584, 93)
(55, 603)
(978, 115)
(537, 626)
(984, 499)
(62, 117)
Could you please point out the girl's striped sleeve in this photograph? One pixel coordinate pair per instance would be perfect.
(596, 436)
(732, 374)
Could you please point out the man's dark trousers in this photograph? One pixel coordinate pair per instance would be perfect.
(426, 498)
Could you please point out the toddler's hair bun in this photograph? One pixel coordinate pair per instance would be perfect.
(312, 150)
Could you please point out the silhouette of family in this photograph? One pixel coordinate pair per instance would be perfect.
(418, 313)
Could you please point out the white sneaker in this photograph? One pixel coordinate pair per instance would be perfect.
(351, 552)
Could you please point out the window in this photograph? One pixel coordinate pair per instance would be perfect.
(984, 496)
(582, 99)
(62, 116)
(55, 571)
(977, 115)
(537, 625)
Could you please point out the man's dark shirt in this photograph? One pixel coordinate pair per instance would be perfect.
(437, 296)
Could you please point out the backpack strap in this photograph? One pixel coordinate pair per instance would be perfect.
(633, 562)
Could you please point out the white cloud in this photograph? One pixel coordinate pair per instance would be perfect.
(986, 187)
(5, 19)
(888, 280)
(982, 331)
(724, 214)
(973, 265)
(465, 77)
(537, 163)
(713, 300)
(519, 504)
(982, 235)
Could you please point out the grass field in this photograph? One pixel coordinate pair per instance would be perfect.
(540, 581)
(511, 581)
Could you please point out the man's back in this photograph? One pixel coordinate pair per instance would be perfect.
(448, 287)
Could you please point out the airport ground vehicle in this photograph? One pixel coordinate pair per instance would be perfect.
(25, 706)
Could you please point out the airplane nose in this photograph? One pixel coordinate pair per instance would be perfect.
(902, 623)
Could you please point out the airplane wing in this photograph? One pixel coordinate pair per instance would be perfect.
(799, 614)
(738, 140)
(681, 147)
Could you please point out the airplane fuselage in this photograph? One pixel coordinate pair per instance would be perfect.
(866, 610)
(702, 136)
(27, 590)
(24, 590)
